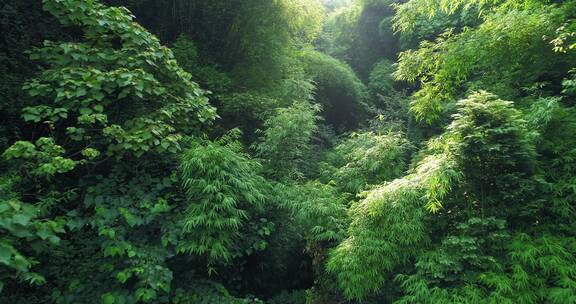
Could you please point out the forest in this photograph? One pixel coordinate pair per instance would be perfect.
(287, 151)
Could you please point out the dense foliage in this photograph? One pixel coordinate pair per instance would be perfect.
(287, 151)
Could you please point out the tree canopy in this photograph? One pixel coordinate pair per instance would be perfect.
(287, 151)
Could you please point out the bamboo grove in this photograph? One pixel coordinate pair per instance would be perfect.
(287, 151)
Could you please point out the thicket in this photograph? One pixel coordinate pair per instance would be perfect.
(287, 151)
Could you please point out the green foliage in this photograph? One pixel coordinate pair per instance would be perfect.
(25, 231)
(381, 79)
(342, 95)
(412, 15)
(336, 38)
(207, 75)
(321, 211)
(366, 159)
(206, 292)
(526, 279)
(556, 157)
(266, 34)
(29, 26)
(79, 95)
(287, 138)
(86, 81)
(496, 145)
(42, 159)
(360, 34)
(388, 225)
(564, 41)
(296, 297)
(392, 115)
(251, 106)
(127, 207)
(413, 26)
(457, 261)
(221, 184)
(120, 185)
(455, 63)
